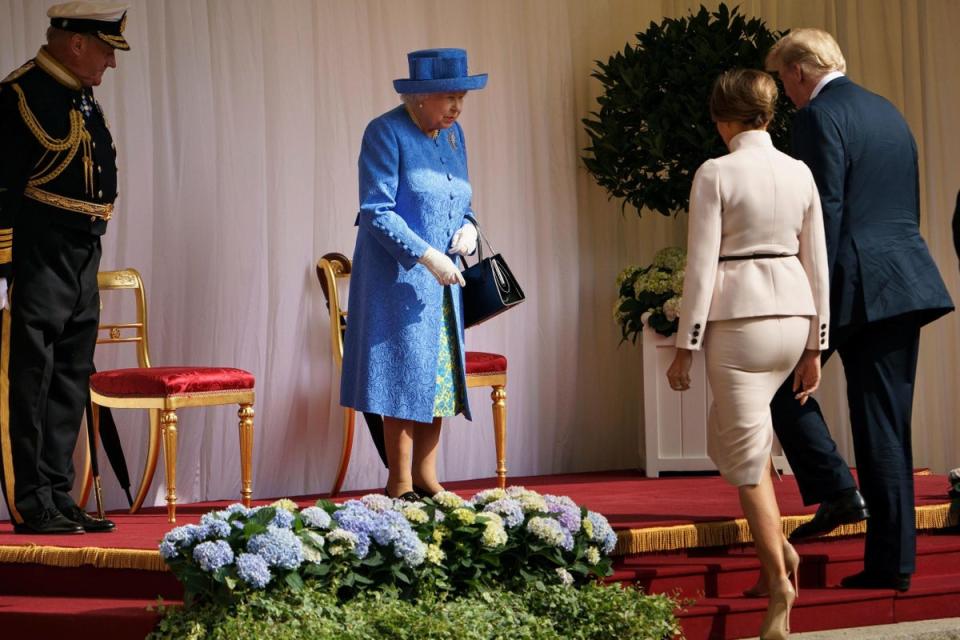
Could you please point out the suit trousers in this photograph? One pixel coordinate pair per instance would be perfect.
(880, 364)
(48, 338)
(747, 359)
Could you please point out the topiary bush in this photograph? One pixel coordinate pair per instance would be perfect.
(653, 129)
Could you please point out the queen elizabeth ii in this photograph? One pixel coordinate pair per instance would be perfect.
(404, 350)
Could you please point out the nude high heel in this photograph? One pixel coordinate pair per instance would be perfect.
(776, 624)
(791, 561)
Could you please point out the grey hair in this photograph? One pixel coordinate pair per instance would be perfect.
(412, 99)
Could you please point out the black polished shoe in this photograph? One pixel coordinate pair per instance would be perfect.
(87, 522)
(865, 580)
(409, 496)
(47, 522)
(847, 509)
(424, 493)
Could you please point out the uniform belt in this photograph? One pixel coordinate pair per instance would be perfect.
(758, 256)
(93, 209)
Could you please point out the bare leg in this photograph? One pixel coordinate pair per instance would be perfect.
(426, 439)
(759, 503)
(399, 437)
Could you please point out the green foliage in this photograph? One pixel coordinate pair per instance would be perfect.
(653, 129)
(540, 612)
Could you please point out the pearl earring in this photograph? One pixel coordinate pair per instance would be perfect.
(420, 105)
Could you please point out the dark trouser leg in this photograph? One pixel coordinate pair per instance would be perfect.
(70, 386)
(880, 365)
(27, 363)
(820, 470)
(52, 268)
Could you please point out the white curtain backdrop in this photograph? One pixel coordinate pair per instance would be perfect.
(238, 124)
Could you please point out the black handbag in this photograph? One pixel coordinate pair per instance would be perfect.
(490, 287)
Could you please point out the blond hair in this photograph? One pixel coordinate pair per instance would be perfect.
(744, 95)
(814, 50)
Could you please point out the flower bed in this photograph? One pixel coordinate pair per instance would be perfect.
(445, 544)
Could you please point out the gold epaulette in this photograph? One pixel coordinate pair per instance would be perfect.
(16, 73)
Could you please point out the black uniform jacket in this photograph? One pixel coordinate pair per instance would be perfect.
(57, 159)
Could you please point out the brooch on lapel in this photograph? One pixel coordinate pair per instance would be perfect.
(452, 139)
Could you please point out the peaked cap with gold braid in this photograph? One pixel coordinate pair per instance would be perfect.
(105, 20)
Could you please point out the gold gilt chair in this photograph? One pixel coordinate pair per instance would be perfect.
(483, 369)
(162, 391)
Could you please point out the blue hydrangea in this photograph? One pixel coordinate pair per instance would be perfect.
(509, 508)
(168, 550)
(213, 527)
(394, 529)
(356, 518)
(603, 534)
(565, 511)
(316, 518)
(283, 519)
(178, 538)
(253, 570)
(278, 547)
(213, 554)
(237, 507)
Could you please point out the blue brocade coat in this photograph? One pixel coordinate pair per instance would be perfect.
(414, 194)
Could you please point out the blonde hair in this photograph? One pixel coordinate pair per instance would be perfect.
(744, 95)
(814, 50)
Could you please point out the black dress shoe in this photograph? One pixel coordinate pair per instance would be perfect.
(88, 523)
(47, 522)
(409, 496)
(425, 493)
(846, 509)
(865, 580)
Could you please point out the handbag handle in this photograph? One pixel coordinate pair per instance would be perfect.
(480, 240)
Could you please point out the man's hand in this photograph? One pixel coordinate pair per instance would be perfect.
(441, 267)
(806, 375)
(464, 241)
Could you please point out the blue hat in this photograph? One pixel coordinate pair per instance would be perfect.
(439, 71)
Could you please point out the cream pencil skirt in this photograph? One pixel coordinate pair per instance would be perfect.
(747, 360)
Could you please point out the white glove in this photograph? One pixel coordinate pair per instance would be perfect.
(441, 267)
(464, 241)
(3, 293)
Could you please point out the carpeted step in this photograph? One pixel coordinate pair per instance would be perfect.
(76, 618)
(930, 597)
(727, 571)
(28, 579)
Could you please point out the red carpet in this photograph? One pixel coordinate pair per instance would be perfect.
(53, 586)
(650, 514)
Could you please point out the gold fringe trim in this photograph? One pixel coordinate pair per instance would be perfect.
(99, 557)
(728, 532)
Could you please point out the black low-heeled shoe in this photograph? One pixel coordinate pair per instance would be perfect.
(409, 496)
(425, 493)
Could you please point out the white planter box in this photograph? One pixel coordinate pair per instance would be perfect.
(675, 423)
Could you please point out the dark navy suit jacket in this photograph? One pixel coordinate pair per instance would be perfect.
(864, 160)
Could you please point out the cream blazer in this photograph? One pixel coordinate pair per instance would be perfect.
(754, 200)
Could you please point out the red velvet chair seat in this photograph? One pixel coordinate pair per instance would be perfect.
(170, 381)
(480, 363)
